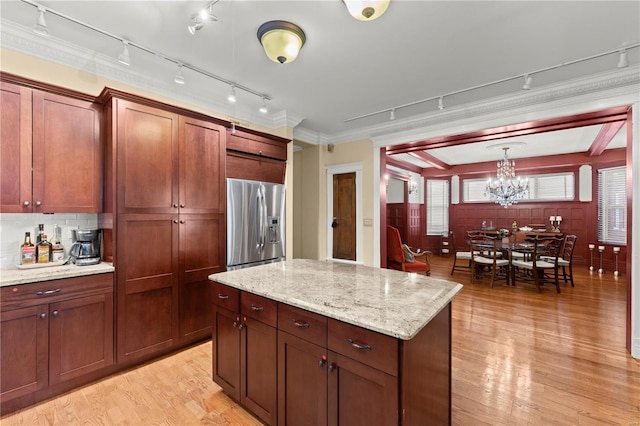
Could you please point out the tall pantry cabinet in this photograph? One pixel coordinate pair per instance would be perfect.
(164, 222)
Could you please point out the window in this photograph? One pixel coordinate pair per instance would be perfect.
(612, 205)
(437, 200)
(547, 187)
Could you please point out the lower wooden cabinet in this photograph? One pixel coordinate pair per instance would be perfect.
(53, 332)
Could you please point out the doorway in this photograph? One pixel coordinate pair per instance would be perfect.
(344, 213)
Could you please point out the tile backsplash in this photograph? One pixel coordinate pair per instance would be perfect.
(14, 225)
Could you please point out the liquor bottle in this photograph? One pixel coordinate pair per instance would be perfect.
(40, 232)
(57, 249)
(27, 250)
(43, 250)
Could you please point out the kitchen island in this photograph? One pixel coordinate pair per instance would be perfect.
(314, 342)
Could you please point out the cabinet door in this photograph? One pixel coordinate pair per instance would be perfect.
(258, 369)
(81, 336)
(23, 351)
(360, 394)
(147, 159)
(147, 274)
(302, 382)
(67, 155)
(202, 166)
(226, 351)
(202, 253)
(15, 149)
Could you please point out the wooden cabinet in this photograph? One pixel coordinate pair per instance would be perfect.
(165, 220)
(256, 156)
(245, 350)
(51, 152)
(53, 332)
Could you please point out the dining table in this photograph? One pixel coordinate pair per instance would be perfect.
(507, 249)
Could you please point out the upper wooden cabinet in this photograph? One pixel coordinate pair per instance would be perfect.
(51, 152)
(255, 156)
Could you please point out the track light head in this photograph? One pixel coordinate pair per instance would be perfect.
(441, 103)
(263, 107)
(196, 25)
(41, 24)
(623, 62)
(179, 78)
(527, 82)
(232, 96)
(392, 115)
(124, 56)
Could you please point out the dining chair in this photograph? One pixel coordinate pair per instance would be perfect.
(543, 263)
(462, 257)
(566, 258)
(486, 261)
(402, 258)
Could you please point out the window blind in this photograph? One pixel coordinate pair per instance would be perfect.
(612, 205)
(546, 187)
(437, 207)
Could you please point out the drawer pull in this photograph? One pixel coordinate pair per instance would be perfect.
(300, 324)
(48, 292)
(223, 296)
(359, 346)
(257, 308)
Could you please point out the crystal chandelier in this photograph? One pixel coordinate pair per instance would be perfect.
(506, 189)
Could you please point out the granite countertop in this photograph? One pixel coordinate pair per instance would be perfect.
(15, 276)
(390, 302)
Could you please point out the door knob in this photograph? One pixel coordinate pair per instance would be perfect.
(334, 223)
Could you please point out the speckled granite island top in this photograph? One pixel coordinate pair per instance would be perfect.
(15, 276)
(390, 302)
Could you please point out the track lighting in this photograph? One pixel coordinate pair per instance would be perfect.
(392, 116)
(179, 78)
(263, 107)
(232, 96)
(196, 24)
(527, 82)
(124, 56)
(623, 62)
(366, 10)
(206, 14)
(441, 103)
(41, 24)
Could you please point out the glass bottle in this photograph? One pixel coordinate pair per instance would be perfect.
(40, 232)
(57, 249)
(27, 250)
(43, 250)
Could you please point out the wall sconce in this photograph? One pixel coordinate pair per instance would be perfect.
(366, 10)
(412, 186)
(281, 40)
(555, 223)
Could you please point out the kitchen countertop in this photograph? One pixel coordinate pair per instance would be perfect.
(15, 276)
(390, 302)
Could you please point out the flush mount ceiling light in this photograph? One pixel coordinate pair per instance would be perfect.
(41, 24)
(124, 56)
(281, 40)
(366, 10)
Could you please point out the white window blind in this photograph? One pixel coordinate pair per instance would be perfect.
(547, 187)
(437, 207)
(612, 205)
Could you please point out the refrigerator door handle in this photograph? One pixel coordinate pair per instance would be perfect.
(264, 217)
(259, 221)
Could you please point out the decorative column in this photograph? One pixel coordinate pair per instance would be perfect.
(601, 250)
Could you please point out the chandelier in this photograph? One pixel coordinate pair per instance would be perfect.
(506, 189)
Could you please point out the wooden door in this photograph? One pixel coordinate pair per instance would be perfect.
(15, 149)
(344, 216)
(302, 382)
(67, 155)
(258, 378)
(147, 159)
(226, 351)
(202, 167)
(81, 333)
(147, 285)
(202, 253)
(360, 395)
(24, 351)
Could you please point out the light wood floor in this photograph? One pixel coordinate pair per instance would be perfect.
(519, 358)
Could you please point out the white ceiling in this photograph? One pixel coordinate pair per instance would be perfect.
(417, 50)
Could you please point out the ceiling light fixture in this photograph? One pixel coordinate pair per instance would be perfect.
(623, 62)
(506, 189)
(41, 24)
(281, 40)
(179, 78)
(196, 25)
(124, 55)
(232, 96)
(366, 10)
(263, 108)
(206, 14)
(392, 116)
(441, 103)
(527, 82)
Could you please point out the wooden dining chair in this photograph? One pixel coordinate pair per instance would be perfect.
(461, 257)
(543, 263)
(565, 260)
(402, 258)
(486, 261)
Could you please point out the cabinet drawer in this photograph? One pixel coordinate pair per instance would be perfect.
(371, 348)
(257, 146)
(226, 297)
(23, 295)
(304, 324)
(259, 308)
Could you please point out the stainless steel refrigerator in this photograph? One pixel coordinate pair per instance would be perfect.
(255, 223)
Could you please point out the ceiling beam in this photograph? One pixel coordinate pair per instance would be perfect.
(438, 164)
(604, 138)
(396, 175)
(403, 165)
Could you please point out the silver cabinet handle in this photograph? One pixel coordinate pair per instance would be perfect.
(300, 324)
(55, 313)
(332, 366)
(26, 204)
(48, 292)
(182, 206)
(222, 296)
(257, 308)
(43, 315)
(359, 346)
(175, 205)
(38, 203)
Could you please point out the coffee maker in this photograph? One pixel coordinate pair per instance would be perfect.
(85, 249)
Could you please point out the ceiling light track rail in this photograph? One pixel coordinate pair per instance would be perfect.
(526, 76)
(177, 62)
